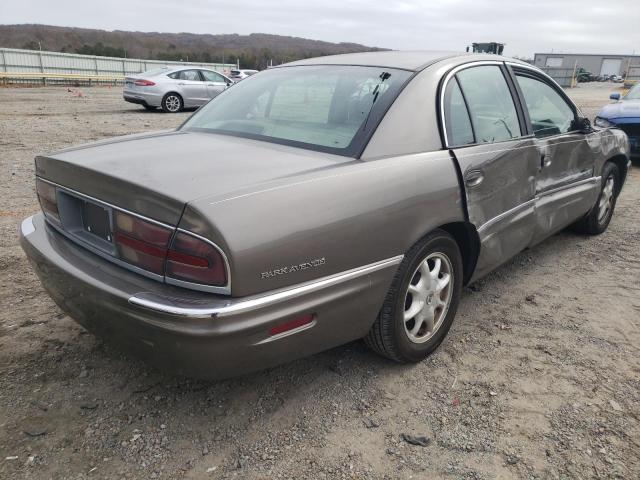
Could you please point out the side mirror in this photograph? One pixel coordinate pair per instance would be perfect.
(614, 96)
(582, 124)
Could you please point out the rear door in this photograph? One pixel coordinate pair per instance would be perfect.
(214, 82)
(498, 161)
(192, 88)
(565, 185)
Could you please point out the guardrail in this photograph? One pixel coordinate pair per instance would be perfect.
(59, 78)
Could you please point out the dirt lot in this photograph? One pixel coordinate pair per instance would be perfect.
(539, 377)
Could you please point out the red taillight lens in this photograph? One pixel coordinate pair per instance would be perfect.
(144, 83)
(141, 243)
(48, 199)
(191, 259)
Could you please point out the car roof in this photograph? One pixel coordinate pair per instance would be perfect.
(405, 60)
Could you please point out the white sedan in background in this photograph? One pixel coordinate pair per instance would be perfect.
(174, 89)
(238, 75)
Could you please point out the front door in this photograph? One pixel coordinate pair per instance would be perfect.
(484, 131)
(214, 82)
(192, 88)
(565, 186)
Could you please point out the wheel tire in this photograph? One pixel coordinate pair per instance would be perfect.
(149, 107)
(598, 218)
(390, 334)
(172, 103)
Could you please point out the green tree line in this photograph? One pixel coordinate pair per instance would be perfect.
(247, 58)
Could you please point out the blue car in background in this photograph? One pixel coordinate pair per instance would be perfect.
(624, 114)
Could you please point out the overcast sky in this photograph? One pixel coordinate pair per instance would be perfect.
(528, 26)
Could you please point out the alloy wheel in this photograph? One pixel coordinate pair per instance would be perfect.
(606, 199)
(428, 297)
(172, 103)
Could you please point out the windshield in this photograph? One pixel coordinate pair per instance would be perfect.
(328, 108)
(634, 93)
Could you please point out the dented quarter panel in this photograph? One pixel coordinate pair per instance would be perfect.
(356, 214)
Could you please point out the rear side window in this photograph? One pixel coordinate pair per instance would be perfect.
(192, 75)
(549, 113)
(493, 113)
(459, 129)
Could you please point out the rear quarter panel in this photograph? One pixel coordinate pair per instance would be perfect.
(350, 216)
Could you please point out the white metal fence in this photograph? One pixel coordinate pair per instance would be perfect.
(32, 62)
(563, 76)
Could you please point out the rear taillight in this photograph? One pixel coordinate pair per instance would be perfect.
(48, 199)
(141, 243)
(192, 259)
(188, 258)
(144, 83)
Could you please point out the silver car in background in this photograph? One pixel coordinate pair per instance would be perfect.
(174, 89)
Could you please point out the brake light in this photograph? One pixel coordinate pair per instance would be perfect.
(144, 83)
(48, 199)
(141, 243)
(191, 259)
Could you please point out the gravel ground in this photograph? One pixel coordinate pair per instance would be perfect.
(539, 377)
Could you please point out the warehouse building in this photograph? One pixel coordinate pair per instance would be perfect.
(595, 63)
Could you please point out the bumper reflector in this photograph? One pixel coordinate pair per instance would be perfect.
(292, 325)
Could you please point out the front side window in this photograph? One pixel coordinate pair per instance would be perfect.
(634, 93)
(491, 107)
(549, 113)
(210, 76)
(325, 107)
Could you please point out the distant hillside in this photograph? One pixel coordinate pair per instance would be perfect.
(254, 50)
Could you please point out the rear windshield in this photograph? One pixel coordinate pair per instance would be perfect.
(155, 71)
(327, 108)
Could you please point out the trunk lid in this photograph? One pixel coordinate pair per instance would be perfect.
(157, 174)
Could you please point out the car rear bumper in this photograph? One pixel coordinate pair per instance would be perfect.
(197, 334)
(150, 99)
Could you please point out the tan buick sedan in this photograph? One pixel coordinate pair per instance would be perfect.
(316, 203)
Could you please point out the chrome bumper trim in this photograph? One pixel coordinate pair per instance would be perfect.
(186, 308)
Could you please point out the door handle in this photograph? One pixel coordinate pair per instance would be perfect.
(545, 160)
(473, 178)
(181, 83)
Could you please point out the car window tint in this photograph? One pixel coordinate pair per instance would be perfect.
(174, 75)
(493, 113)
(210, 76)
(459, 130)
(190, 75)
(549, 113)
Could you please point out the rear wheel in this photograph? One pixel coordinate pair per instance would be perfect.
(172, 103)
(598, 219)
(422, 301)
